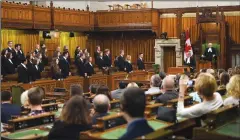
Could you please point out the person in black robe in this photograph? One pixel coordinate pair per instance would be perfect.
(121, 61)
(107, 58)
(81, 65)
(190, 61)
(30, 66)
(140, 62)
(128, 65)
(36, 70)
(9, 66)
(10, 45)
(3, 60)
(209, 53)
(37, 50)
(64, 65)
(89, 69)
(55, 69)
(101, 62)
(97, 53)
(23, 76)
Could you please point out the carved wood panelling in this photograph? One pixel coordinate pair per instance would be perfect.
(71, 19)
(16, 15)
(113, 77)
(72, 80)
(47, 85)
(6, 86)
(42, 18)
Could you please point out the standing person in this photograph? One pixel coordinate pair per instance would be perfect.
(107, 58)
(76, 52)
(55, 70)
(89, 67)
(121, 61)
(44, 55)
(66, 49)
(37, 50)
(128, 64)
(100, 61)
(10, 44)
(81, 65)
(140, 62)
(190, 61)
(9, 66)
(15, 56)
(41, 63)
(96, 53)
(23, 75)
(64, 65)
(20, 53)
(30, 66)
(36, 70)
(3, 60)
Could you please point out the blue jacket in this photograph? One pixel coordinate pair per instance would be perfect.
(9, 110)
(136, 129)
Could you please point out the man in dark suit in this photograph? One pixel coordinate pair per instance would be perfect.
(30, 67)
(121, 61)
(64, 65)
(23, 75)
(9, 66)
(81, 65)
(89, 67)
(133, 102)
(190, 61)
(36, 70)
(37, 50)
(107, 58)
(8, 109)
(10, 44)
(169, 92)
(97, 53)
(140, 62)
(101, 62)
(209, 53)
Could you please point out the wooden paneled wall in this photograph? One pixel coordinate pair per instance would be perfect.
(131, 42)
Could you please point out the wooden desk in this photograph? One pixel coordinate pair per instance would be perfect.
(143, 80)
(99, 79)
(203, 65)
(117, 132)
(175, 70)
(47, 85)
(66, 83)
(113, 77)
(6, 86)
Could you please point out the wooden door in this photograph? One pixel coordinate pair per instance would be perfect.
(169, 59)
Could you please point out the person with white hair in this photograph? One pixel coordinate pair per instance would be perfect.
(155, 83)
(24, 99)
(132, 84)
(101, 105)
(211, 71)
(169, 91)
(209, 52)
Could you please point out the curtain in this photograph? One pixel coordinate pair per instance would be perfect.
(169, 25)
(190, 22)
(234, 27)
(27, 38)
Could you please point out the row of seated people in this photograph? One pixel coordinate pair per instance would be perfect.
(76, 113)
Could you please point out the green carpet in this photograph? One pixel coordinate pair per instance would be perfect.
(231, 129)
(22, 134)
(117, 133)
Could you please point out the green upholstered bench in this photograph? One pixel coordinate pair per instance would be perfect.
(118, 132)
(27, 134)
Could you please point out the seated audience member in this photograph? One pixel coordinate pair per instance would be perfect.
(162, 75)
(206, 87)
(24, 99)
(35, 97)
(89, 69)
(230, 71)
(101, 105)
(103, 89)
(132, 84)
(133, 102)
(211, 71)
(75, 118)
(219, 72)
(233, 91)
(93, 88)
(155, 83)
(8, 109)
(9, 66)
(128, 64)
(203, 70)
(23, 76)
(76, 89)
(224, 79)
(169, 91)
(36, 70)
(64, 65)
(236, 70)
(116, 94)
(55, 70)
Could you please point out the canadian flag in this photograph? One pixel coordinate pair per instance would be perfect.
(188, 46)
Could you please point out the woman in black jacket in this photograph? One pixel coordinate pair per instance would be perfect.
(128, 64)
(55, 69)
(75, 118)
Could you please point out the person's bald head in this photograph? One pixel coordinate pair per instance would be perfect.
(101, 103)
(168, 83)
(209, 45)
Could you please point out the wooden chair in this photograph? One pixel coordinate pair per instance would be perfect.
(16, 94)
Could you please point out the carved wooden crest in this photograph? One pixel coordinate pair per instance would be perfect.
(207, 15)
